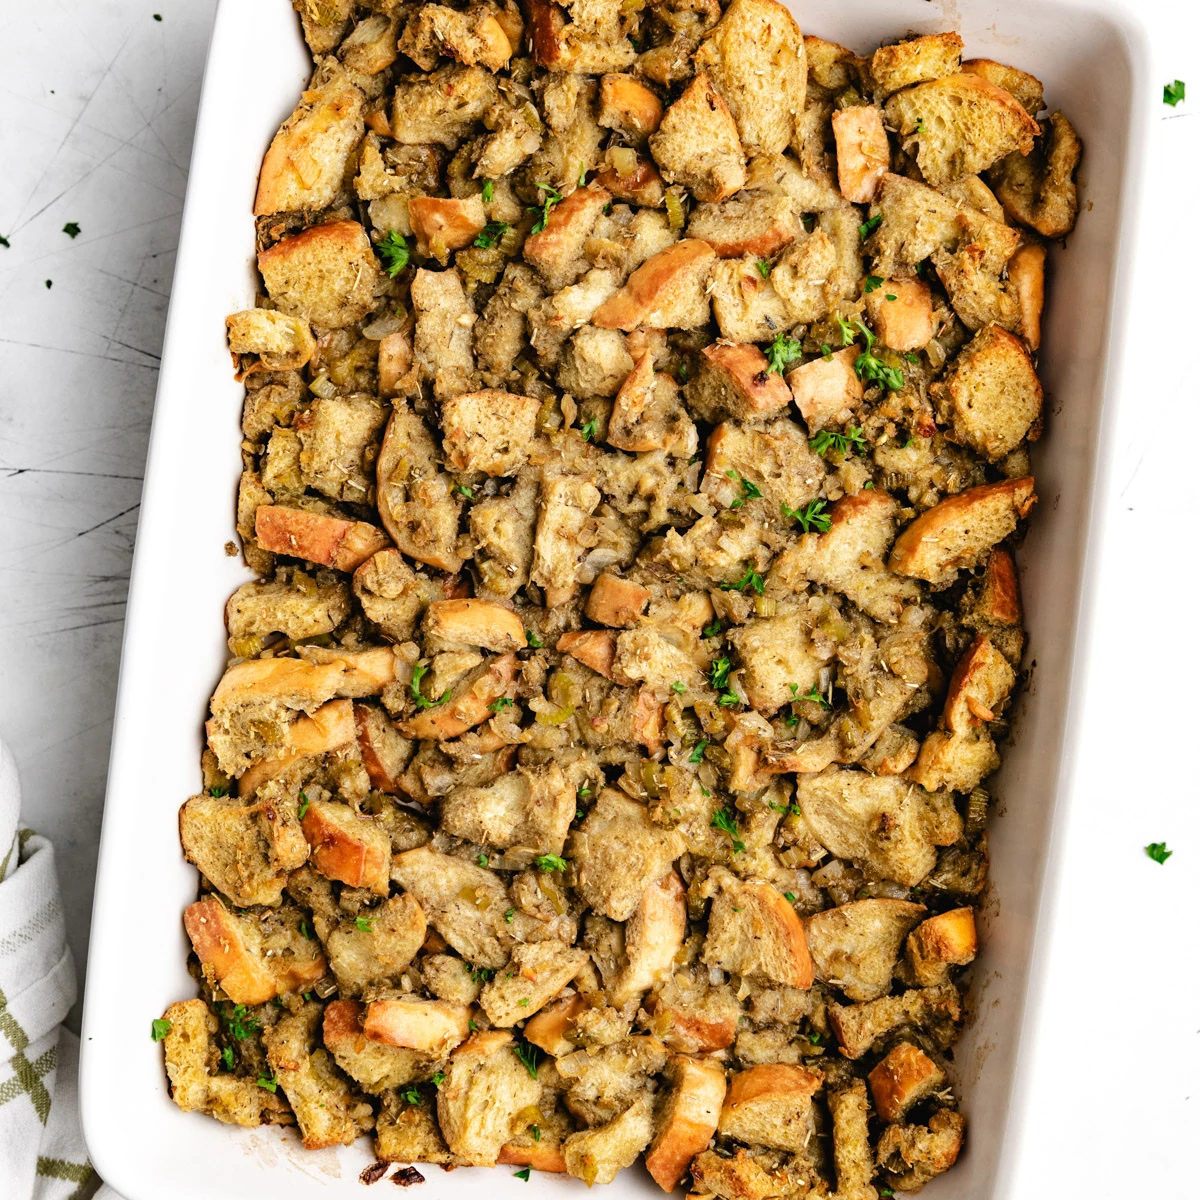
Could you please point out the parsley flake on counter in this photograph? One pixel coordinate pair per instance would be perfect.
(364, 924)
(550, 862)
(71, 229)
(158, 16)
(159, 1028)
(393, 249)
(523, 1173)
(423, 702)
(811, 516)
(723, 819)
(1173, 93)
(491, 233)
(550, 198)
(5, 242)
(1159, 852)
(782, 351)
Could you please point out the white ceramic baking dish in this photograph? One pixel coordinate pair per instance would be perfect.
(1092, 57)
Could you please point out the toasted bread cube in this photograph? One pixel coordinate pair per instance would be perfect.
(642, 186)
(475, 36)
(619, 852)
(230, 950)
(591, 44)
(863, 153)
(688, 1120)
(807, 277)
(374, 1066)
(597, 1155)
(881, 822)
(771, 1105)
(197, 1084)
(733, 382)
(959, 531)
(831, 67)
(567, 502)
(653, 936)
(697, 143)
(327, 274)
(531, 807)
(991, 396)
(978, 688)
(327, 1111)
(855, 946)
(903, 1078)
(827, 390)
(628, 106)
(945, 941)
(966, 125)
(1027, 88)
(282, 343)
(348, 847)
(751, 223)
(746, 306)
(392, 594)
(695, 1016)
(445, 317)
(441, 226)
(328, 541)
(754, 930)
(486, 1085)
(536, 973)
(648, 413)
(443, 107)
(595, 362)
(489, 431)
(756, 58)
(849, 1109)
(306, 162)
(329, 729)
(848, 557)
(595, 648)
(541, 1155)
(915, 1154)
(468, 706)
(382, 749)
(370, 47)
(396, 375)
(363, 959)
(741, 1177)
(481, 623)
(299, 607)
(1027, 279)
(954, 762)
(409, 1133)
(1039, 190)
(998, 600)
(551, 1028)
(431, 1026)
(915, 60)
(616, 602)
(668, 291)
(556, 252)
(858, 1027)
(776, 459)
(901, 313)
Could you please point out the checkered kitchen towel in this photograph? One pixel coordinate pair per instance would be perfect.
(42, 1155)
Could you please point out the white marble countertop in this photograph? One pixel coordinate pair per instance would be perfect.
(99, 109)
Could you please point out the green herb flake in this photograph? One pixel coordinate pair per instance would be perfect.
(481, 860)
(410, 1095)
(524, 1002)
(490, 234)
(697, 754)
(532, 638)
(478, 974)
(550, 198)
(305, 932)
(873, 283)
(724, 820)
(241, 1024)
(268, 1084)
(713, 628)
(364, 924)
(790, 897)
(528, 1055)
(393, 249)
(826, 353)
(815, 1038)
(1174, 93)
(886, 1191)
(303, 806)
(158, 16)
(750, 491)
(782, 351)
(811, 516)
(159, 1028)
(523, 1173)
(498, 704)
(584, 792)
(418, 673)
(751, 579)
(852, 441)
(920, 128)
(679, 687)
(5, 242)
(535, 1133)
(587, 430)
(71, 229)
(869, 226)
(472, 1027)
(489, 191)
(764, 267)
(815, 696)
(508, 916)
(889, 296)
(1159, 852)
(909, 356)
(550, 862)
(463, 490)
(227, 1058)
(718, 673)
(217, 791)
(439, 1077)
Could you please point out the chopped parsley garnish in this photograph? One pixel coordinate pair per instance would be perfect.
(536, 1133)
(465, 491)
(679, 687)
(217, 791)
(270, 1084)
(303, 805)
(718, 673)
(550, 198)
(1173, 93)
(713, 628)
(524, 1002)
(240, 1024)
(157, 16)
(826, 353)
(305, 932)
(71, 229)
(364, 924)
(419, 673)
(508, 916)
(491, 233)
(866, 366)
(697, 754)
(751, 579)
(529, 1057)
(750, 491)
(588, 429)
(410, 1095)
(1159, 852)
(784, 808)
(532, 638)
(159, 1028)
(724, 820)
(472, 1027)
(815, 1038)
(5, 242)
(550, 862)
(782, 351)
(815, 696)
(889, 296)
(479, 974)
(909, 356)
(886, 1191)
(920, 125)
(842, 443)
(811, 516)
(497, 705)
(439, 1077)
(523, 1173)
(848, 334)
(227, 1058)
(764, 267)
(489, 191)
(869, 226)
(873, 283)
(393, 249)
(481, 860)
(584, 792)
(790, 897)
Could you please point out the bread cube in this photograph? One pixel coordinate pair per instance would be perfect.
(772, 1105)
(350, 848)
(697, 143)
(733, 381)
(854, 946)
(441, 226)
(443, 107)
(556, 252)
(904, 1077)
(653, 936)
(863, 153)
(749, 223)
(475, 36)
(827, 390)
(668, 291)
(696, 1090)
(327, 541)
(431, 1026)
(915, 60)
(901, 313)
(628, 106)
(327, 274)
(945, 941)
(282, 343)
(858, 1027)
